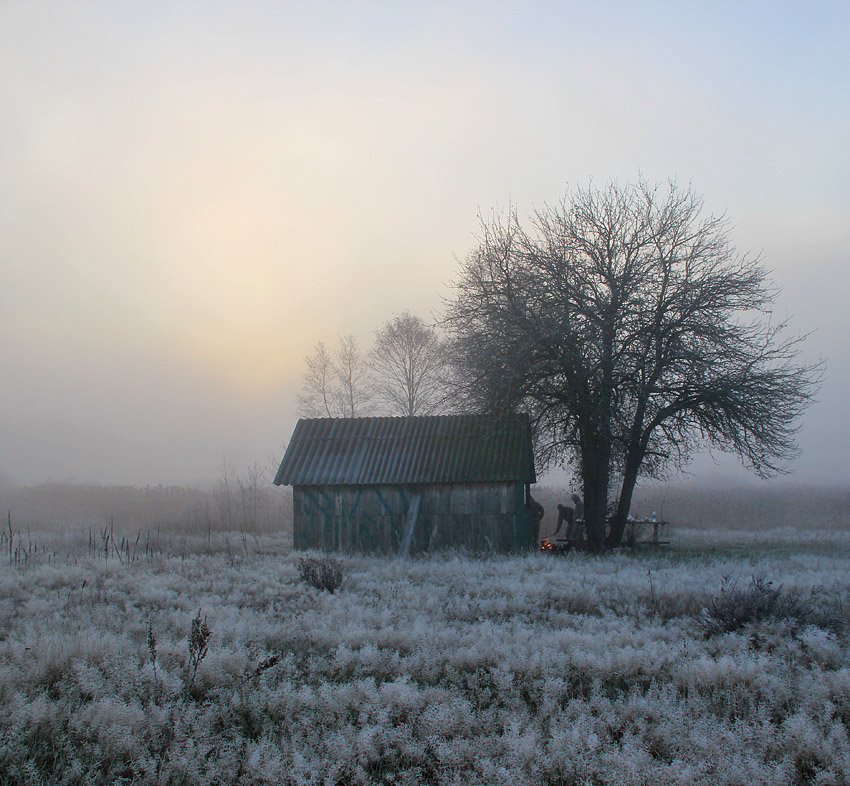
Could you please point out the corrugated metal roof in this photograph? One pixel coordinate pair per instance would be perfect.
(438, 449)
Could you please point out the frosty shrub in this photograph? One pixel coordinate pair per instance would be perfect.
(760, 601)
(323, 573)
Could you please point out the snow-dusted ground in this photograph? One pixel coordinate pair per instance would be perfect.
(520, 670)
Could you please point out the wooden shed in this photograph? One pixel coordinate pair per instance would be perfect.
(410, 484)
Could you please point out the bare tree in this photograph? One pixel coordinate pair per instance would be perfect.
(353, 377)
(633, 332)
(335, 385)
(319, 396)
(407, 360)
(254, 496)
(224, 494)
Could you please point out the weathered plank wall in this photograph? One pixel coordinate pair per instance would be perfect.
(475, 516)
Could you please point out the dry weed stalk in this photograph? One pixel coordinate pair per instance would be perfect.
(152, 652)
(198, 645)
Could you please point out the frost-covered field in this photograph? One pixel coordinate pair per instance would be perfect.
(524, 670)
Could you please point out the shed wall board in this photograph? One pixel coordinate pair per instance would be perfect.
(475, 516)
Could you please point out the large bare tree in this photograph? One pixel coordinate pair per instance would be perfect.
(408, 359)
(627, 324)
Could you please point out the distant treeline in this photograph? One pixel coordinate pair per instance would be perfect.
(743, 507)
(766, 507)
(251, 504)
(235, 504)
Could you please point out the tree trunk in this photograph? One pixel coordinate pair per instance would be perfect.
(597, 447)
(596, 466)
(624, 504)
(595, 504)
(634, 459)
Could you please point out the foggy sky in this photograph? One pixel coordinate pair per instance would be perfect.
(194, 194)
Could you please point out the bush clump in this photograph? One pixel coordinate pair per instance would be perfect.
(323, 573)
(760, 601)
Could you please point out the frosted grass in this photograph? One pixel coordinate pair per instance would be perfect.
(444, 670)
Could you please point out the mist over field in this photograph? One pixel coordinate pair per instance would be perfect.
(248, 504)
(195, 195)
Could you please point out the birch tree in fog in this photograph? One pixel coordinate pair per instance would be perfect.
(318, 390)
(355, 384)
(335, 385)
(408, 360)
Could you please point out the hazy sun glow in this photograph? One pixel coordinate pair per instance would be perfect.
(195, 194)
